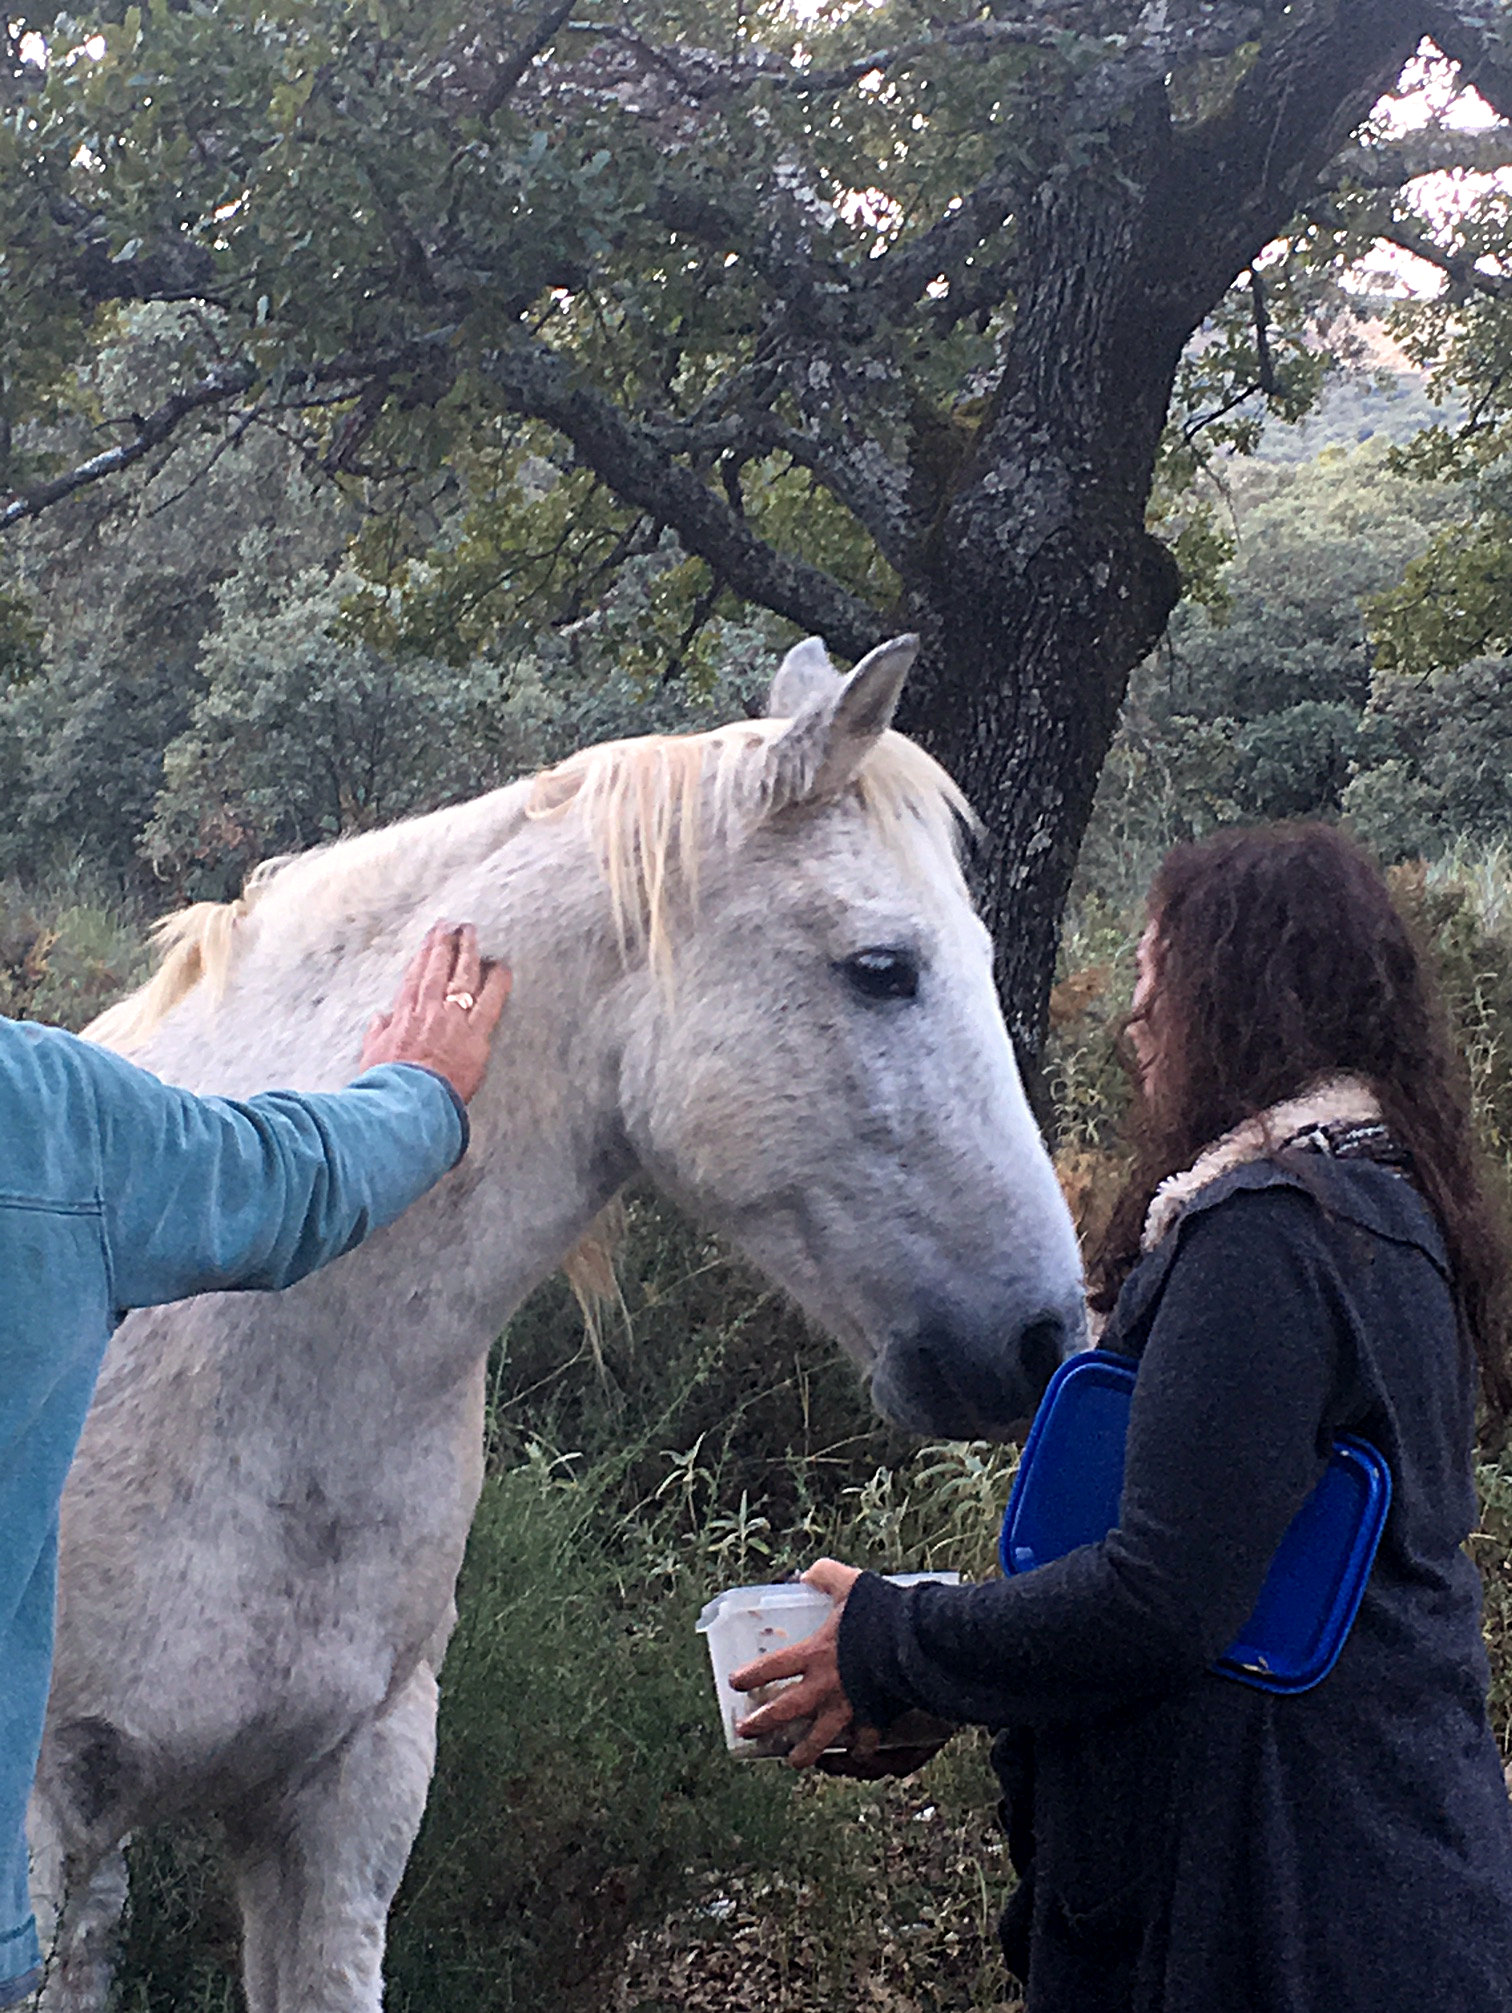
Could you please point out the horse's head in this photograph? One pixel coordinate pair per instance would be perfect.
(823, 1072)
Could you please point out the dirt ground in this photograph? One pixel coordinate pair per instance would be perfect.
(908, 1926)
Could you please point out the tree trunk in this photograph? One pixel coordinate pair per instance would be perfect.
(1018, 695)
(1041, 588)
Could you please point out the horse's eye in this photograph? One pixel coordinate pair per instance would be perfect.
(883, 974)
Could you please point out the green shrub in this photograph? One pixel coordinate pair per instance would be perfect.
(1463, 908)
(1491, 1548)
(180, 1935)
(578, 1789)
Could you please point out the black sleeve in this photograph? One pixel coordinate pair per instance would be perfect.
(1228, 1431)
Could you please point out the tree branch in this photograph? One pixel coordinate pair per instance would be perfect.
(1433, 151)
(513, 68)
(1241, 174)
(857, 473)
(773, 237)
(1194, 426)
(705, 77)
(1474, 39)
(944, 248)
(1177, 33)
(172, 269)
(862, 477)
(538, 384)
(1458, 266)
(227, 382)
(660, 83)
(469, 80)
(358, 372)
(703, 608)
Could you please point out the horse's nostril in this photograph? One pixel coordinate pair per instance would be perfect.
(1042, 1348)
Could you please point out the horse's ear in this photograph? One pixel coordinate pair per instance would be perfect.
(804, 675)
(821, 751)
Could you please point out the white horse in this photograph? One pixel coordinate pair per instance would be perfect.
(745, 965)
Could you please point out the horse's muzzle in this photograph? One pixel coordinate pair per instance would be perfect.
(951, 1380)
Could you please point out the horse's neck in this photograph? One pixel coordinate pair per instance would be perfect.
(546, 1152)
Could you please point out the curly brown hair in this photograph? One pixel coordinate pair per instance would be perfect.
(1280, 957)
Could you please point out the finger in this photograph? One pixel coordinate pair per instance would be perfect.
(794, 1701)
(826, 1730)
(414, 972)
(438, 962)
(791, 1662)
(372, 1041)
(498, 982)
(831, 1578)
(409, 985)
(467, 970)
(864, 1746)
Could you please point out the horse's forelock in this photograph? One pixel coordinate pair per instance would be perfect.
(653, 806)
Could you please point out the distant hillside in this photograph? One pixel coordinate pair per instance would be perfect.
(1383, 396)
(1357, 406)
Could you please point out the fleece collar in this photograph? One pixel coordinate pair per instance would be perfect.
(1335, 1100)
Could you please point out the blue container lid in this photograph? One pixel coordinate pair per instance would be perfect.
(1070, 1481)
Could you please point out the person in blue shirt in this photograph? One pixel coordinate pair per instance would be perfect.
(119, 1191)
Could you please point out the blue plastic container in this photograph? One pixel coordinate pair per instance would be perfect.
(1067, 1492)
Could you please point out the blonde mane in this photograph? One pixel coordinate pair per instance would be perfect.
(190, 945)
(652, 808)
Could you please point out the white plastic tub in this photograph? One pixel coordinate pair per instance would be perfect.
(748, 1622)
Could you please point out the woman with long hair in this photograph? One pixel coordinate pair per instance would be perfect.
(1306, 1247)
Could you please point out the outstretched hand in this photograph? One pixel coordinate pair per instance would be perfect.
(448, 1006)
(819, 1697)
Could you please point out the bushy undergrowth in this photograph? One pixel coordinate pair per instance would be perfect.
(576, 1785)
(587, 1843)
(719, 1444)
(66, 951)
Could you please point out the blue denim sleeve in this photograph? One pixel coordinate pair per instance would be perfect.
(202, 1193)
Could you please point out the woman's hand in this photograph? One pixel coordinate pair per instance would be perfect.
(820, 1697)
(448, 1006)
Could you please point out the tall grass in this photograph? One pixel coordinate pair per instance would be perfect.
(67, 949)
